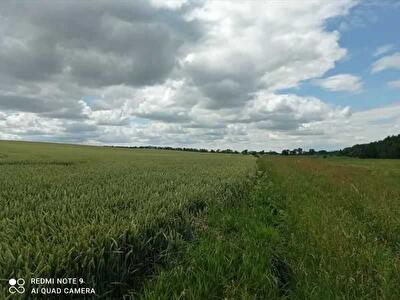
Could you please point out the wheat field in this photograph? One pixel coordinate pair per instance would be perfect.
(152, 224)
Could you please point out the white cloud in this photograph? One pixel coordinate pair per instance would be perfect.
(387, 62)
(308, 123)
(394, 84)
(341, 82)
(381, 122)
(26, 124)
(252, 45)
(383, 49)
(333, 133)
(288, 112)
(169, 4)
(198, 73)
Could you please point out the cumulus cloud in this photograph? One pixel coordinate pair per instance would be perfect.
(257, 45)
(332, 133)
(93, 44)
(53, 55)
(341, 82)
(200, 73)
(381, 122)
(387, 62)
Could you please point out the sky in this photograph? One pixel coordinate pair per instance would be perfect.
(260, 75)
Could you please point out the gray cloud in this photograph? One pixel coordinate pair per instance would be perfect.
(35, 59)
(58, 52)
(96, 44)
(47, 107)
(151, 72)
(26, 104)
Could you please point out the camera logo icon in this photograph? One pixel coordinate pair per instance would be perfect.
(16, 286)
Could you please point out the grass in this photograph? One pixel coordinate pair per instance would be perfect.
(236, 255)
(174, 225)
(342, 224)
(311, 228)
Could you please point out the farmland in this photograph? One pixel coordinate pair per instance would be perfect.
(109, 216)
(312, 228)
(164, 224)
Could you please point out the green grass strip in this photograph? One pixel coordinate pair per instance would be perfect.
(236, 254)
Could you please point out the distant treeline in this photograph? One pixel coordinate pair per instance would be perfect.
(386, 148)
(297, 151)
(300, 151)
(226, 151)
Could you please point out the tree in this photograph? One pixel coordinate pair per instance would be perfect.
(299, 151)
(386, 148)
